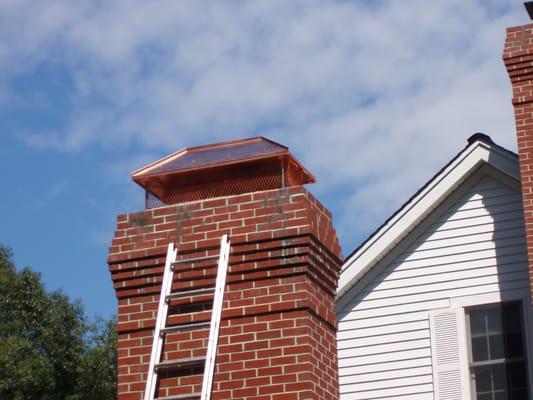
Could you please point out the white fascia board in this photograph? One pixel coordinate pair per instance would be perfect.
(440, 187)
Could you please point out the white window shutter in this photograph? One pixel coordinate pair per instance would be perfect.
(447, 348)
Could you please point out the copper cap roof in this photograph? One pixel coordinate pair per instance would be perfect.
(220, 169)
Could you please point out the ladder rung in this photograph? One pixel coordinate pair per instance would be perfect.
(193, 325)
(191, 260)
(180, 397)
(183, 362)
(188, 293)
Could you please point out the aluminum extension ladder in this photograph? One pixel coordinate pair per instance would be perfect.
(161, 329)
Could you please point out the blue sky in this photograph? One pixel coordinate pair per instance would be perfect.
(373, 97)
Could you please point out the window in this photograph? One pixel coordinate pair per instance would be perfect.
(497, 352)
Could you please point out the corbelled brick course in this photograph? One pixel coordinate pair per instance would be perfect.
(277, 338)
(518, 59)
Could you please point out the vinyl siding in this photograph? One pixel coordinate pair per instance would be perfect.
(476, 246)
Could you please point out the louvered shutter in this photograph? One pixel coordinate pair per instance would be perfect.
(447, 338)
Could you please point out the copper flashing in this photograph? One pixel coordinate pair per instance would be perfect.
(219, 169)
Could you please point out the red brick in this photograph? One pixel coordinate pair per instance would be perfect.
(277, 327)
(519, 64)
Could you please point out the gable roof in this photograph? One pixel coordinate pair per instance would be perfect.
(480, 150)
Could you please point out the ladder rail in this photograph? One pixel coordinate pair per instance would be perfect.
(162, 311)
(216, 315)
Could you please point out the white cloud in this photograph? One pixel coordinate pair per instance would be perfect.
(49, 195)
(373, 96)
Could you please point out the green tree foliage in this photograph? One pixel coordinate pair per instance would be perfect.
(48, 350)
(96, 379)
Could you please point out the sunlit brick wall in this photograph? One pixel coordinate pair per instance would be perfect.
(518, 59)
(277, 339)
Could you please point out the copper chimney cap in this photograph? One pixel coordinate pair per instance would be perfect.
(220, 169)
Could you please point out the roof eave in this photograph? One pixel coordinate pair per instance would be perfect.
(420, 205)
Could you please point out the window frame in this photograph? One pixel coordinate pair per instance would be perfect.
(486, 299)
(500, 361)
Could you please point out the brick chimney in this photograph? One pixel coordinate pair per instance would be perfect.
(518, 59)
(277, 338)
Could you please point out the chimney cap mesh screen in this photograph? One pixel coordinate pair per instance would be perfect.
(219, 189)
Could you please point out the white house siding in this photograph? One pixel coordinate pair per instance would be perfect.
(477, 246)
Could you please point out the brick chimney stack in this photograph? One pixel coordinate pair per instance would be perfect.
(277, 338)
(518, 59)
